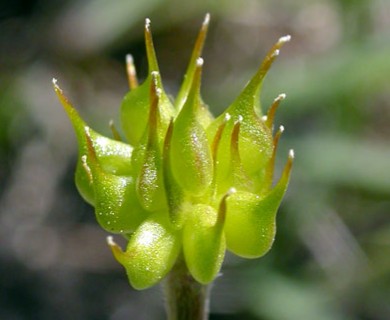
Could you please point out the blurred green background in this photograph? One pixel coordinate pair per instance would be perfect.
(331, 258)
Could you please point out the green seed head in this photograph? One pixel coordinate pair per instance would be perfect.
(184, 183)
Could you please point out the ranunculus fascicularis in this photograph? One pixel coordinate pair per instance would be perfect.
(183, 183)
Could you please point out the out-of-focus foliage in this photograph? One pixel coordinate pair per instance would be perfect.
(331, 259)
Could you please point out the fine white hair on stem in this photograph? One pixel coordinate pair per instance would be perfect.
(291, 154)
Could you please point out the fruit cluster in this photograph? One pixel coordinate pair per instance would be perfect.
(186, 184)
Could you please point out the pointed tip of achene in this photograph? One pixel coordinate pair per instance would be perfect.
(116, 249)
(131, 72)
(291, 154)
(194, 61)
(129, 59)
(147, 24)
(194, 91)
(231, 191)
(253, 88)
(282, 184)
(272, 110)
(277, 138)
(272, 54)
(150, 52)
(110, 241)
(280, 43)
(206, 20)
(58, 90)
(70, 110)
(288, 166)
(284, 39)
(113, 245)
(60, 94)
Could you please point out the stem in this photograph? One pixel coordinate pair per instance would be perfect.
(186, 299)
